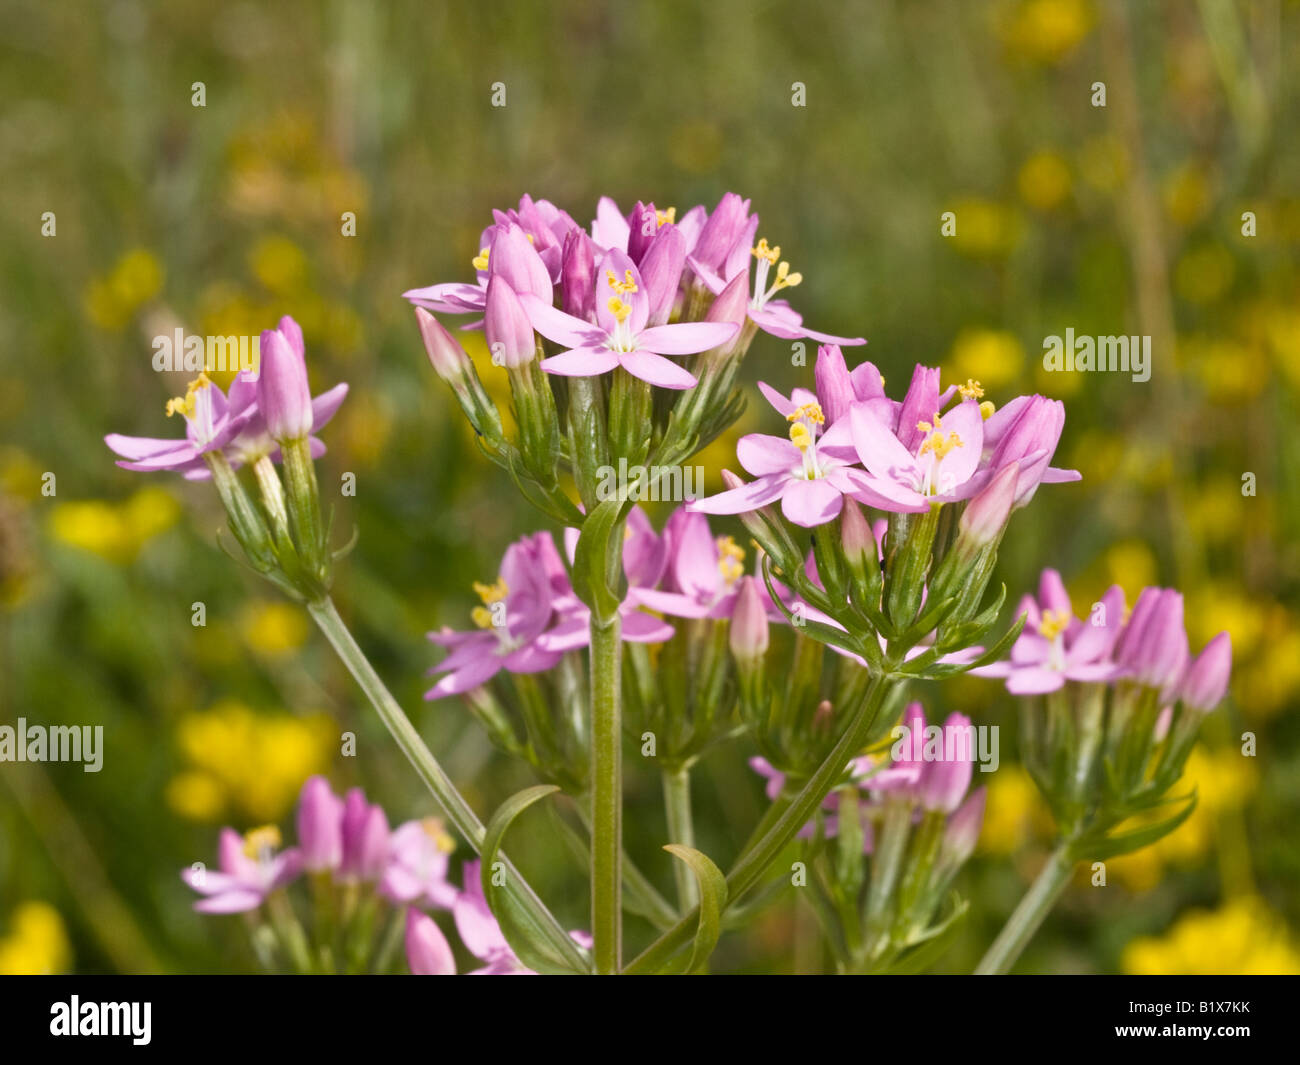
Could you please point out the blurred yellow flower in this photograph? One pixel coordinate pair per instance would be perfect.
(1103, 163)
(1203, 275)
(993, 357)
(116, 532)
(1215, 511)
(1187, 195)
(245, 764)
(37, 943)
(1013, 813)
(20, 477)
(1224, 780)
(1272, 680)
(1045, 31)
(1044, 181)
(111, 301)
(985, 229)
(1215, 606)
(1131, 565)
(1242, 937)
(273, 628)
(279, 264)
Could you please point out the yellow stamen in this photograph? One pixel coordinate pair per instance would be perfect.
(800, 436)
(972, 389)
(492, 593)
(731, 559)
(987, 409)
(666, 216)
(1054, 623)
(619, 309)
(185, 404)
(482, 617)
(761, 250)
(433, 829)
(480, 261)
(621, 287)
(811, 412)
(258, 840)
(785, 279)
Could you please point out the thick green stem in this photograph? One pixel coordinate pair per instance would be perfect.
(457, 810)
(681, 829)
(1033, 908)
(756, 859)
(606, 795)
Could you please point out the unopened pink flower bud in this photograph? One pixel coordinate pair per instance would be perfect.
(731, 305)
(834, 385)
(749, 630)
(509, 333)
(661, 272)
(1206, 680)
(365, 838)
(514, 259)
(320, 826)
(986, 515)
(945, 780)
(963, 828)
(427, 950)
(444, 350)
(283, 394)
(578, 277)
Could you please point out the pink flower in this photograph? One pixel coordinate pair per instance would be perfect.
(774, 316)
(427, 950)
(1055, 646)
(418, 858)
(620, 335)
(516, 610)
(810, 472)
(250, 869)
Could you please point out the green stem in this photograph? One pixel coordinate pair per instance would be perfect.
(1033, 908)
(756, 859)
(606, 795)
(681, 829)
(457, 810)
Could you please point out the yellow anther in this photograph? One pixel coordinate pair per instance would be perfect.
(185, 404)
(492, 593)
(801, 436)
(259, 840)
(621, 287)
(987, 409)
(808, 412)
(761, 250)
(480, 261)
(972, 389)
(482, 617)
(731, 559)
(619, 309)
(785, 279)
(666, 216)
(434, 830)
(1054, 623)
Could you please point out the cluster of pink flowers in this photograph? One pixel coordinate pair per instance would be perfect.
(849, 438)
(348, 842)
(607, 294)
(263, 407)
(929, 768)
(530, 616)
(1148, 647)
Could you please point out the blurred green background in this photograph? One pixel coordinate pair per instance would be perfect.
(1125, 219)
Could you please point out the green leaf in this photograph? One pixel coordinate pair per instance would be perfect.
(597, 567)
(1100, 847)
(931, 944)
(713, 897)
(520, 930)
